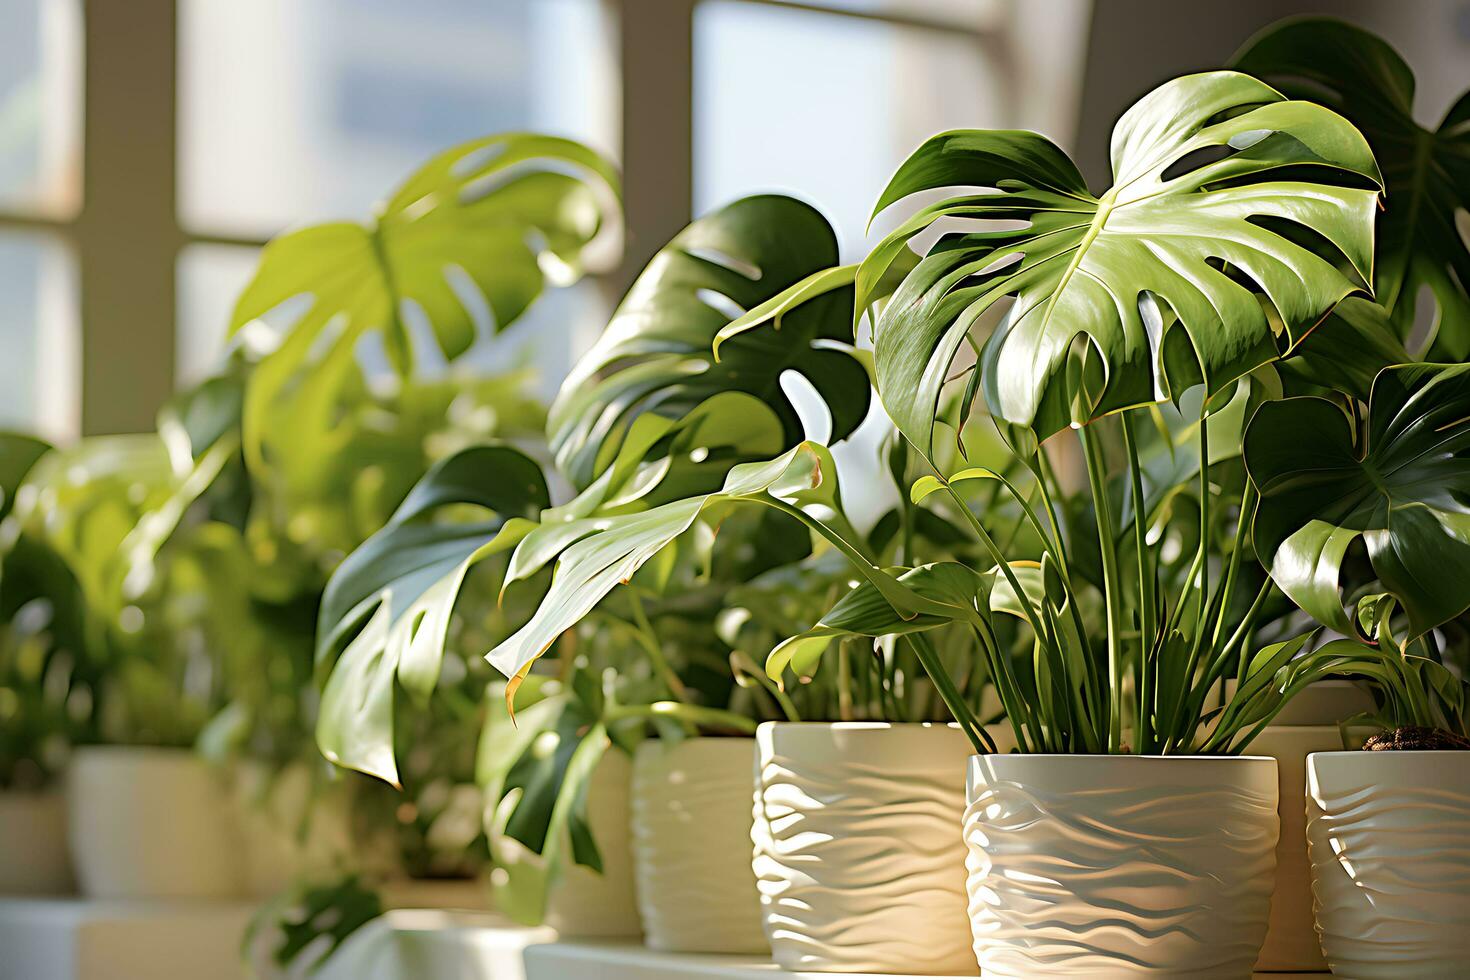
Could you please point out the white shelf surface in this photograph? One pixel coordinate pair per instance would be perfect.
(627, 960)
(406, 944)
(75, 939)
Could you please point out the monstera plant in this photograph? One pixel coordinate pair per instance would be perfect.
(1397, 449)
(1421, 243)
(488, 222)
(644, 424)
(1193, 271)
(648, 418)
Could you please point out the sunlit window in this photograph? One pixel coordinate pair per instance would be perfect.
(40, 93)
(293, 112)
(768, 123)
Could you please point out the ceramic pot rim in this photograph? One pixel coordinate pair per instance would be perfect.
(1391, 754)
(859, 726)
(1118, 756)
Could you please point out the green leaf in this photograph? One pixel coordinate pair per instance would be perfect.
(18, 453)
(394, 595)
(1167, 277)
(865, 611)
(1426, 171)
(926, 485)
(506, 212)
(107, 504)
(1403, 486)
(1346, 352)
(801, 483)
(657, 354)
(534, 770)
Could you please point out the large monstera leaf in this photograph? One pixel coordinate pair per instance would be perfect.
(387, 607)
(657, 353)
(801, 482)
(496, 216)
(1183, 271)
(1402, 485)
(1421, 242)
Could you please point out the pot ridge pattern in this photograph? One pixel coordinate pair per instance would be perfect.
(1391, 866)
(1153, 880)
(859, 869)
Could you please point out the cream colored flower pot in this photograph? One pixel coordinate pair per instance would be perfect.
(1120, 866)
(691, 846)
(585, 903)
(33, 855)
(1389, 835)
(151, 823)
(858, 854)
(1307, 724)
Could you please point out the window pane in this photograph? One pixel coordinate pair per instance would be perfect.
(302, 110)
(210, 278)
(40, 99)
(830, 107)
(38, 333)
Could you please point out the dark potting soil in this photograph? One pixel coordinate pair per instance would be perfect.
(1416, 737)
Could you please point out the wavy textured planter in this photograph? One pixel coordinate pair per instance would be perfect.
(33, 855)
(1389, 834)
(858, 854)
(691, 846)
(585, 903)
(151, 823)
(1120, 866)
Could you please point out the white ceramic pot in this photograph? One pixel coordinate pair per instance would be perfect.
(33, 855)
(1389, 835)
(1120, 866)
(1308, 724)
(858, 854)
(691, 846)
(151, 823)
(585, 903)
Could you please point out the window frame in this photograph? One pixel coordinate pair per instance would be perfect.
(127, 236)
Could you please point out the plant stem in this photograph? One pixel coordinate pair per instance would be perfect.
(1247, 500)
(655, 652)
(1148, 614)
(844, 683)
(950, 695)
(1204, 540)
(693, 714)
(1097, 479)
(744, 664)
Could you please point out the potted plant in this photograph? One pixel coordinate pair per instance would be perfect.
(648, 417)
(1383, 906)
(1142, 685)
(344, 408)
(38, 673)
(637, 455)
(1380, 913)
(98, 511)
